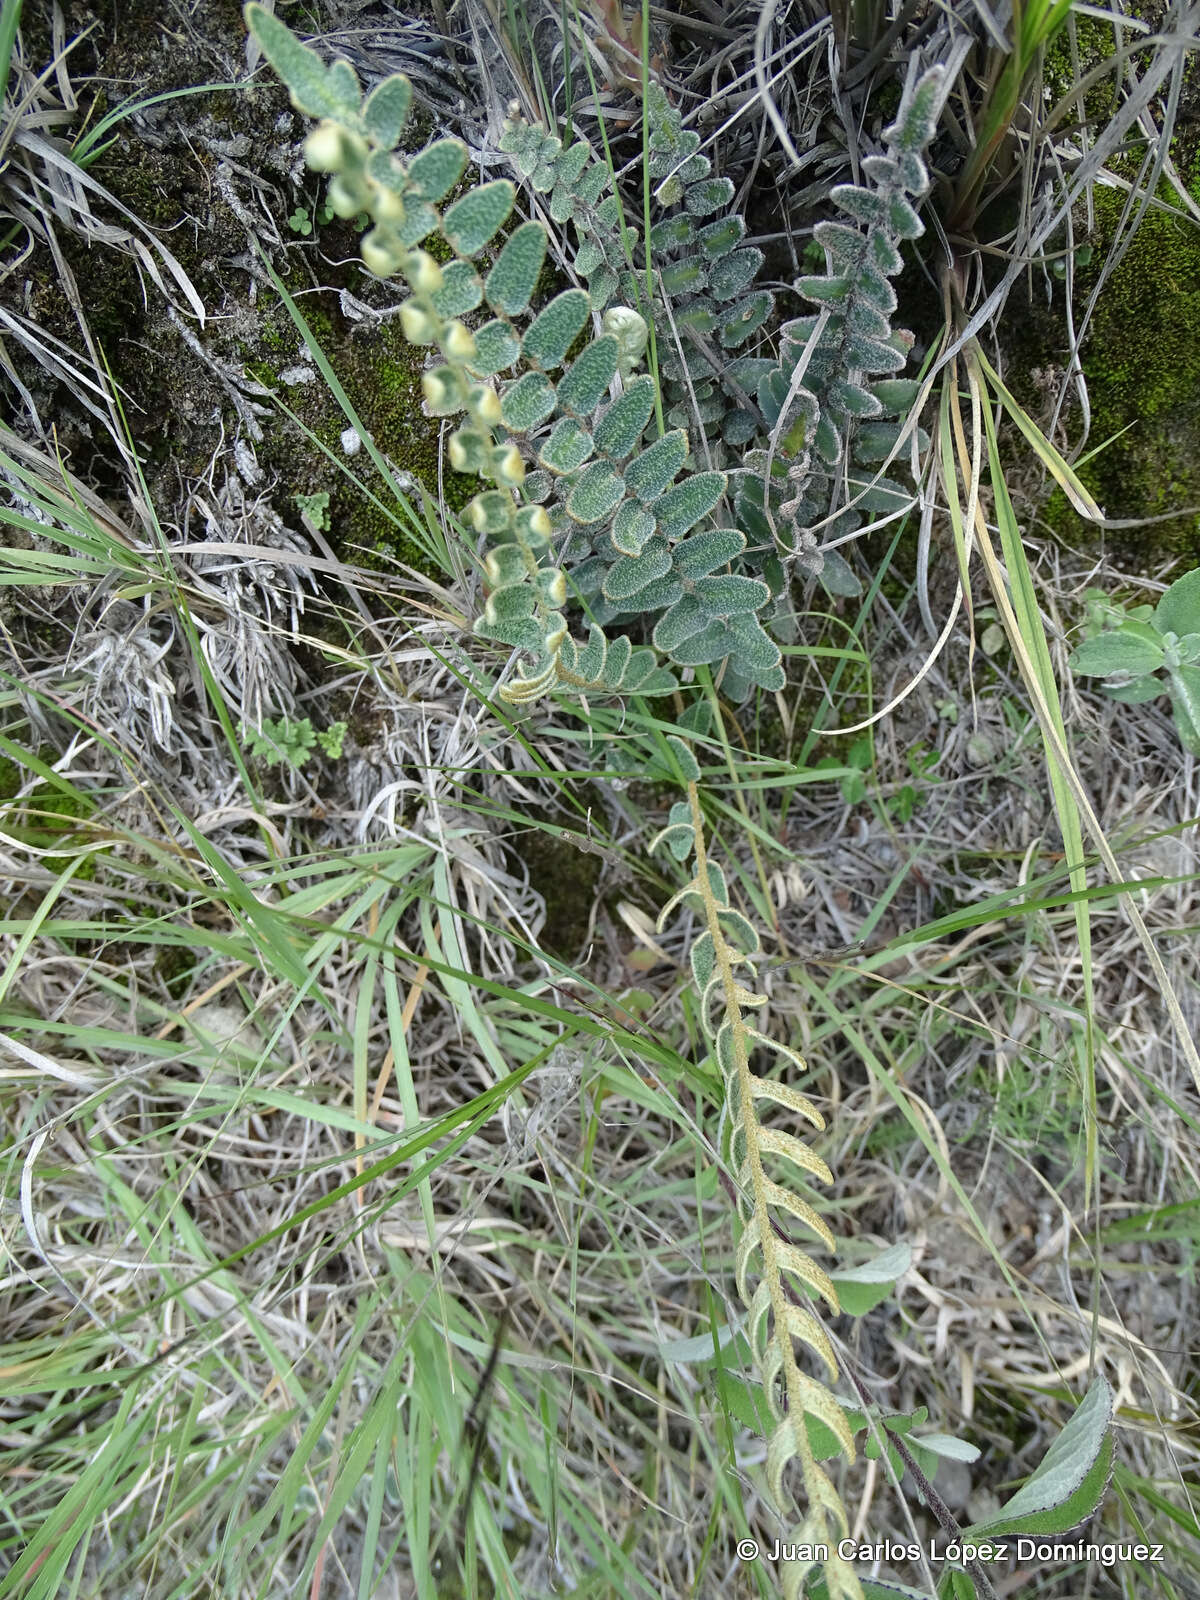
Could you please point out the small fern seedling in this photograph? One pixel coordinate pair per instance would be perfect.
(776, 1291)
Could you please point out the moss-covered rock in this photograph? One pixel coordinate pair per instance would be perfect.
(1141, 359)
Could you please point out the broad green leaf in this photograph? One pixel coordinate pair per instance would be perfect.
(945, 1445)
(649, 473)
(1069, 1482)
(730, 594)
(1185, 703)
(702, 199)
(734, 273)
(589, 375)
(460, 292)
(631, 573)
(435, 171)
(860, 1289)
(1179, 609)
(1116, 652)
(313, 88)
(555, 329)
(529, 401)
(473, 221)
(1138, 693)
(496, 348)
(568, 447)
(705, 552)
(624, 422)
(632, 526)
(386, 111)
(513, 279)
(686, 617)
(683, 506)
(597, 494)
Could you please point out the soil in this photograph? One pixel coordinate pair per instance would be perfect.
(216, 177)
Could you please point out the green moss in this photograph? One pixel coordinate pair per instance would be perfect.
(45, 818)
(1094, 42)
(1142, 364)
(566, 878)
(381, 374)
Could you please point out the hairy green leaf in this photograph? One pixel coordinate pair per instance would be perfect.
(712, 643)
(624, 422)
(529, 401)
(1178, 611)
(496, 348)
(729, 593)
(555, 328)
(1067, 1485)
(386, 111)
(705, 552)
(631, 573)
(718, 238)
(649, 473)
(513, 279)
(597, 493)
(1117, 652)
(734, 273)
(685, 618)
(568, 447)
(460, 291)
(301, 69)
(470, 223)
(683, 506)
(435, 171)
(631, 527)
(589, 375)
(702, 199)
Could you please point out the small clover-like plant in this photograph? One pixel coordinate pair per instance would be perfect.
(290, 741)
(1144, 652)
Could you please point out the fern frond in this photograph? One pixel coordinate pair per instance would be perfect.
(833, 375)
(775, 1276)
